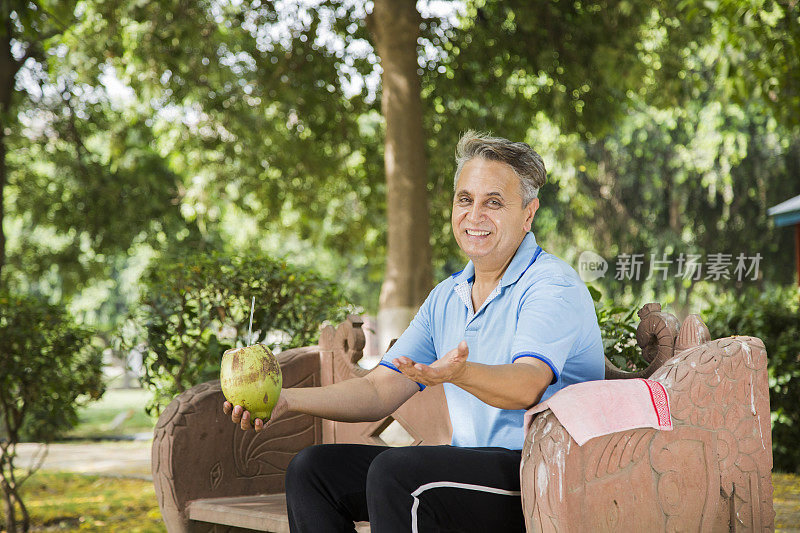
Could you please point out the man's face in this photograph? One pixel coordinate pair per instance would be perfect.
(488, 219)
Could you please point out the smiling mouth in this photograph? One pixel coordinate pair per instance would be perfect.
(477, 233)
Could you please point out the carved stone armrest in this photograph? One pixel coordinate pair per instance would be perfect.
(711, 473)
(199, 453)
(424, 417)
(656, 335)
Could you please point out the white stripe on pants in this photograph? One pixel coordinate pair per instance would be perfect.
(451, 484)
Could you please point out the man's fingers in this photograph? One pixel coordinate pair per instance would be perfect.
(245, 423)
(411, 371)
(420, 371)
(463, 349)
(407, 371)
(227, 407)
(236, 413)
(404, 366)
(425, 374)
(259, 424)
(410, 368)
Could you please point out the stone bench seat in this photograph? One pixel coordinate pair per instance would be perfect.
(711, 473)
(262, 512)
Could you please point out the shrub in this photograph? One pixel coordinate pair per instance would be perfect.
(48, 368)
(774, 317)
(618, 329)
(194, 308)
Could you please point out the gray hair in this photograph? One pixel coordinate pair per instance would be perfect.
(527, 164)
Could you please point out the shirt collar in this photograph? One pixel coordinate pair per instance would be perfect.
(523, 258)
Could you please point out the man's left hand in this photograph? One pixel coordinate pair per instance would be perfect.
(448, 369)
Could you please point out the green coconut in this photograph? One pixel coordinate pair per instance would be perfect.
(251, 377)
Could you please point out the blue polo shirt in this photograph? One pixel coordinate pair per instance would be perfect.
(540, 309)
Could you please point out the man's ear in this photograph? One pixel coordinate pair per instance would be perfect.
(530, 211)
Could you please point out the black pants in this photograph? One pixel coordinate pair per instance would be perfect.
(409, 489)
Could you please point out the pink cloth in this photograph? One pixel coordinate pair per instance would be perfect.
(595, 408)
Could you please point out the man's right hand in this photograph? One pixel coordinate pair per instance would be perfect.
(369, 398)
(241, 416)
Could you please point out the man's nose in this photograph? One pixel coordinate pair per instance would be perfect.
(475, 213)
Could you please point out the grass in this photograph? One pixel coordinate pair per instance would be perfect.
(97, 418)
(74, 502)
(786, 499)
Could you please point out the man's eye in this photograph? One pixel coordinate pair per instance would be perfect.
(495, 203)
(463, 200)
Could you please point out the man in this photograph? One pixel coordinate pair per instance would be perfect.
(509, 330)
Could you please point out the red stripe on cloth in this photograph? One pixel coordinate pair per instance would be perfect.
(658, 395)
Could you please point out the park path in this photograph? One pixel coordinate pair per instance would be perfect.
(129, 459)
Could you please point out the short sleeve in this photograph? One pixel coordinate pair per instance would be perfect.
(416, 342)
(549, 322)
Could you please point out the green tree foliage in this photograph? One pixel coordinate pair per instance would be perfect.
(752, 46)
(691, 180)
(23, 27)
(574, 60)
(196, 306)
(86, 184)
(703, 151)
(774, 317)
(683, 170)
(182, 118)
(266, 112)
(83, 205)
(260, 105)
(182, 124)
(48, 368)
(512, 68)
(256, 105)
(649, 147)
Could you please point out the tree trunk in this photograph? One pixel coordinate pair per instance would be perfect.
(8, 507)
(8, 72)
(25, 522)
(2, 201)
(408, 278)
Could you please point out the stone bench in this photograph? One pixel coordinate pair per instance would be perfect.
(713, 472)
(262, 512)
